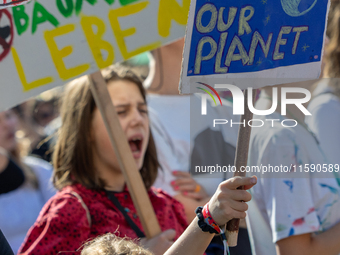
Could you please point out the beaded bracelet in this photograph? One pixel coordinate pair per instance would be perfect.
(207, 224)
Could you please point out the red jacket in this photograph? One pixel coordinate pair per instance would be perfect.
(63, 224)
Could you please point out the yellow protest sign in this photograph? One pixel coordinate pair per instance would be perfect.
(46, 43)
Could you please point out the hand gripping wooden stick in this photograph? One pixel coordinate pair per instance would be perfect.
(124, 155)
(241, 158)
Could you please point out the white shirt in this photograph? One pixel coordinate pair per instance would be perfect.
(286, 206)
(325, 120)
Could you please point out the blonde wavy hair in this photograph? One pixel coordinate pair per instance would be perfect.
(110, 244)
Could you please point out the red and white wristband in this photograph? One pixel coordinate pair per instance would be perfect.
(207, 224)
(209, 219)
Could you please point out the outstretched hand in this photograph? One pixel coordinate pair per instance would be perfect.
(228, 202)
(188, 187)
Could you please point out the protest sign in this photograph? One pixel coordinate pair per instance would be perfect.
(47, 43)
(253, 43)
(10, 3)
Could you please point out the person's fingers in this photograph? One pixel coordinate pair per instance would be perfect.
(183, 181)
(181, 174)
(168, 235)
(239, 215)
(167, 244)
(240, 195)
(170, 243)
(246, 187)
(223, 215)
(238, 206)
(185, 187)
(233, 214)
(235, 182)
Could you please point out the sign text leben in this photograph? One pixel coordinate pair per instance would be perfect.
(51, 42)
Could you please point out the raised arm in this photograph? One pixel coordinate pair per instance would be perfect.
(226, 204)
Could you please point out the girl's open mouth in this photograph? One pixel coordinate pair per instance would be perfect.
(135, 143)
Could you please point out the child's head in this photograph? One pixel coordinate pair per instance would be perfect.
(83, 144)
(110, 244)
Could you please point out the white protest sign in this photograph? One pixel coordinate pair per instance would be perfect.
(47, 43)
(251, 43)
(10, 3)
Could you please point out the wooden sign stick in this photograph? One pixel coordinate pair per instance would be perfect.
(241, 158)
(124, 155)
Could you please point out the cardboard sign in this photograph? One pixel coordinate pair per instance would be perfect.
(10, 3)
(253, 43)
(47, 43)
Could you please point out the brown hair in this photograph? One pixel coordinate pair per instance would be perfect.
(72, 158)
(111, 244)
(332, 50)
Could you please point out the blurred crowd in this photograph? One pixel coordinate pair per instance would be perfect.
(62, 189)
